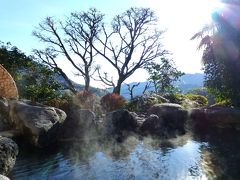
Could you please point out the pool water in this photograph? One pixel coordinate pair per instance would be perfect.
(184, 157)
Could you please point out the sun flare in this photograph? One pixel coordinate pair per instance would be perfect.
(205, 8)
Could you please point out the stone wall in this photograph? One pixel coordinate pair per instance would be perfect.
(8, 87)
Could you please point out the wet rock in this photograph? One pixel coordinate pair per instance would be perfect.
(152, 125)
(218, 117)
(139, 117)
(8, 153)
(3, 177)
(3, 106)
(4, 114)
(78, 123)
(39, 124)
(173, 116)
(120, 120)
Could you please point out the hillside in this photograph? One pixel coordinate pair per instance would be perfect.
(186, 83)
(79, 87)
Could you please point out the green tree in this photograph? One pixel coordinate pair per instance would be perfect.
(34, 80)
(221, 56)
(163, 75)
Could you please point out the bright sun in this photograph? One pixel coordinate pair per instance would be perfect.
(201, 10)
(212, 5)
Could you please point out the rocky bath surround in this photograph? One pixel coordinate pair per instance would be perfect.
(39, 124)
(8, 154)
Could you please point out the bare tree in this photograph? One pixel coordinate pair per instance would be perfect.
(72, 39)
(130, 89)
(133, 42)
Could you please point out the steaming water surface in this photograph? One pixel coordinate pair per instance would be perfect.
(179, 158)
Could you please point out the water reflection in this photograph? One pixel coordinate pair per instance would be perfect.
(179, 158)
(220, 159)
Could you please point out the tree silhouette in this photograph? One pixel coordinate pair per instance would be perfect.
(221, 55)
(72, 39)
(133, 42)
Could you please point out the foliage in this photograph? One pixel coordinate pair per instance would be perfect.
(221, 44)
(163, 75)
(225, 103)
(188, 100)
(175, 98)
(201, 101)
(203, 92)
(63, 102)
(37, 83)
(86, 99)
(13, 59)
(144, 102)
(34, 81)
(112, 101)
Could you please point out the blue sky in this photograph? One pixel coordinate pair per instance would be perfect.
(19, 17)
(182, 19)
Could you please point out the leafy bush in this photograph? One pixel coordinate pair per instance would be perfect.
(175, 98)
(203, 92)
(200, 100)
(112, 101)
(64, 102)
(188, 100)
(34, 80)
(224, 103)
(87, 100)
(144, 102)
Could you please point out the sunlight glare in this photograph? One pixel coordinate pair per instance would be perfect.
(210, 6)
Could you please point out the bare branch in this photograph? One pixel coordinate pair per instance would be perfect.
(74, 39)
(132, 42)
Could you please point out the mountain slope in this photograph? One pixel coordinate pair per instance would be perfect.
(186, 83)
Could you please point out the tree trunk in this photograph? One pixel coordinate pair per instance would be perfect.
(117, 89)
(87, 83)
(68, 81)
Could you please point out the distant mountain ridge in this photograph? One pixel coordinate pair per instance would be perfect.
(185, 83)
(79, 87)
(190, 81)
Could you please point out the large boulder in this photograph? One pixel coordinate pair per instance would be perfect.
(152, 125)
(4, 114)
(139, 117)
(39, 124)
(8, 153)
(119, 121)
(173, 116)
(79, 122)
(216, 117)
(3, 177)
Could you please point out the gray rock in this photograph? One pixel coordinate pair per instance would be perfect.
(140, 118)
(8, 153)
(173, 116)
(152, 125)
(78, 122)
(39, 124)
(3, 105)
(3, 177)
(4, 114)
(120, 120)
(217, 116)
